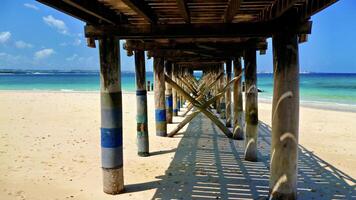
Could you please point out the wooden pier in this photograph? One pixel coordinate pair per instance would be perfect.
(212, 36)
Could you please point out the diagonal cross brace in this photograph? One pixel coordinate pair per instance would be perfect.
(200, 107)
(204, 106)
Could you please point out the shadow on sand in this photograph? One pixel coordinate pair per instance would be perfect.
(207, 165)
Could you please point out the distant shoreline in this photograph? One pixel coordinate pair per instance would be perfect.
(333, 106)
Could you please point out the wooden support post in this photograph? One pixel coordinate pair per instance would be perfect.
(222, 100)
(218, 86)
(179, 96)
(169, 96)
(228, 95)
(285, 117)
(160, 104)
(238, 108)
(111, 116)
(174, 91)
(141, 100)
(251, 114)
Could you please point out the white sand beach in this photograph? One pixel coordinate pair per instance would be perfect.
(50, 149)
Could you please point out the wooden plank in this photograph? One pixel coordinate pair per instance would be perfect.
(98, 10)
(277, 9)
(172, 31)
(141, 8)
(182, 5)
(231, 10)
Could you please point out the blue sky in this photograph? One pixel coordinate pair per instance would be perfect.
(34, 36)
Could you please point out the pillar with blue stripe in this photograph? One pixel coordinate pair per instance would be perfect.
(160, 103)
(141, 101)
(111, 116)
(174, 91)
(169, 95)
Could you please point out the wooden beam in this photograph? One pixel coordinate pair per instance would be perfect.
(277, 9)
(171, 31)
(182, 5)
(232, 8)
(71, 10)
(98, 10)
(142, 9)
(92, 12)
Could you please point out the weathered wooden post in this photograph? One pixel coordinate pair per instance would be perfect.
(141, 100)
(159, 89)
(222, 99)
(285, 117)
(168, 92)
(174, 91)
(228, 94)
(251, 113)
(179, 96)
(218, 108)
(111, 116)
(238, 108)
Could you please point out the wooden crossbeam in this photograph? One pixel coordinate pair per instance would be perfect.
(142, 9)
(182, 5)
(232, 8)
(172, 31)
(203, 106)
(277, 9)
(83, 15)
(210, 115)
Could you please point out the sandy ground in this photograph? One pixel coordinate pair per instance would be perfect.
(50, 149)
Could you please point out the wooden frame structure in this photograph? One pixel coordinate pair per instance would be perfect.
(197, 34)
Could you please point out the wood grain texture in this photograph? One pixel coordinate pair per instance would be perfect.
(251, 113)
(285, 117)
(238, 108)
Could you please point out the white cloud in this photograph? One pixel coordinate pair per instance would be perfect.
(44, 53)
(21, 44)
(56, 23)
(71, 58)
(31, 6)
(4, 36)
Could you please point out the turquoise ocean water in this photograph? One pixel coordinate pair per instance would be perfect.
(315, 88)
